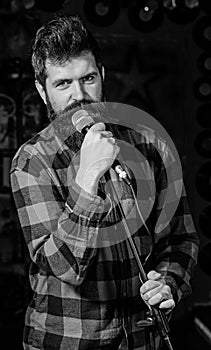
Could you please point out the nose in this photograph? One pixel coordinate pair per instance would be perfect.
(78, 91)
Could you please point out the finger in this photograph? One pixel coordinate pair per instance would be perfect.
(153, 275)
(112, 140)
(163, 304)
(106, 134)
(117, 149)
(151, 293)
(98, 127)
(149, 285)
(162, 290)
(167, 304)
(159, 298)
(155, 299)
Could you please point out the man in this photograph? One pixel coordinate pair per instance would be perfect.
(87, 296)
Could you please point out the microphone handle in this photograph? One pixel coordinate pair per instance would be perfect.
(116, 166)
(86, 129)
(121, 172)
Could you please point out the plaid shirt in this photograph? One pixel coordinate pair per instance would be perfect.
(86, 292)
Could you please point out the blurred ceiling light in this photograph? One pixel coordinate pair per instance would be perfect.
(169, 4)
(28, 4)
(202, 33)
(202, 88)
(204, 63)
(191, 3)
(16, 6)
(102, 12)
(181, 11)
(145, 15)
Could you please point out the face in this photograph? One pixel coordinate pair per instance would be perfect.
(72, 84)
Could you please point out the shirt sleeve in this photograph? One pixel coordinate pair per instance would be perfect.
(61, 235)
(175, 239)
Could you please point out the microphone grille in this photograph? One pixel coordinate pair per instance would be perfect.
(81, 119)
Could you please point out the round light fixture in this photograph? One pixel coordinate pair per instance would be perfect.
(145, 16)
(182, 11)
(202, 32)
(102, 12)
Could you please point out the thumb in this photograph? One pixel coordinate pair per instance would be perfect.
(98, 127)
(153, 275)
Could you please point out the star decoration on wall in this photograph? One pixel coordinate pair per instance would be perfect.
(134, 84)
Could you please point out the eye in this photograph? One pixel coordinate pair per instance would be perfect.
(89, 78)
(63, 84)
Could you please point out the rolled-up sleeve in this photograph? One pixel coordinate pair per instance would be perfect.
(61, 234)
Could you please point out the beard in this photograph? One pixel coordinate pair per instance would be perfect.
(62, 120)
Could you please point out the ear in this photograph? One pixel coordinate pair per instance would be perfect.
(103, 72)
(41, 91)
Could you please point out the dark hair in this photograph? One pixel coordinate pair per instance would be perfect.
(59, 40)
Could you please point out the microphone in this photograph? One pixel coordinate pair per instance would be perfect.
(82, 121)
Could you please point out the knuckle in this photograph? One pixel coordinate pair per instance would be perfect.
(151, 274)
(166, 290)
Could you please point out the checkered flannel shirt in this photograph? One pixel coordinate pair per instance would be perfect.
(86, 292)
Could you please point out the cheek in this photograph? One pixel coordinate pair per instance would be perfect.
(58, 100)
(95, 91)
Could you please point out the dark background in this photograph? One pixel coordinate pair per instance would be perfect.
(157, 59)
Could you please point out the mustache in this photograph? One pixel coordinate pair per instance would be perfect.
(77, 105)
(94, 108)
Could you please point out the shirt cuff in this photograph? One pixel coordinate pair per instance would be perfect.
(89, 205)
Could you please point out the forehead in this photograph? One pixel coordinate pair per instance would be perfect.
(72, 68)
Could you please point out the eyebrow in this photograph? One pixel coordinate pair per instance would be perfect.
(91, 73)
(55, 82)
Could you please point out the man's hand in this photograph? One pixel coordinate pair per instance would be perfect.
(98, 152)
(156, 292)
